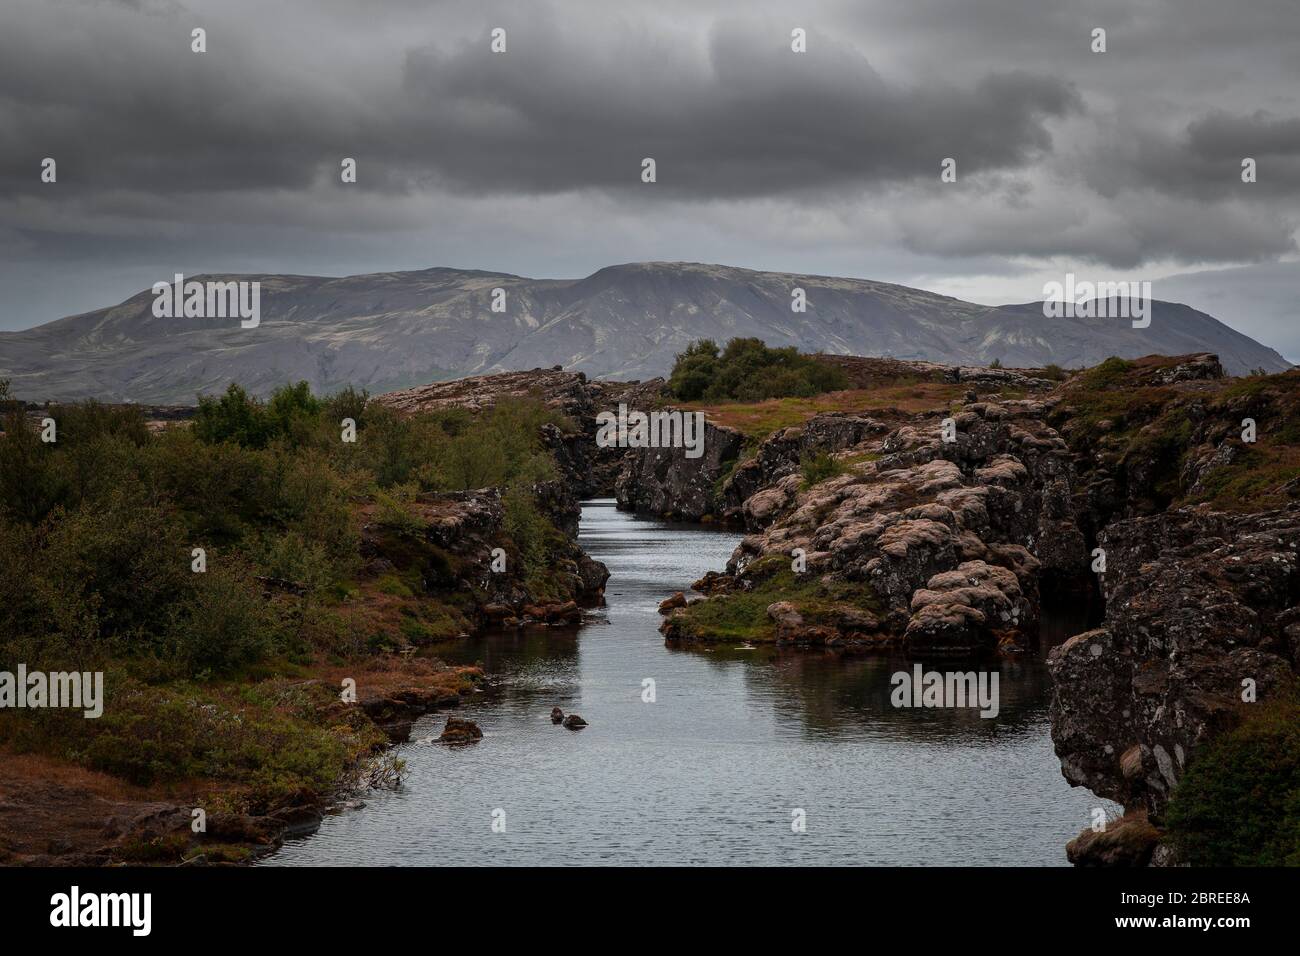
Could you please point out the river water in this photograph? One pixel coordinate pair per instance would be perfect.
(716, 768)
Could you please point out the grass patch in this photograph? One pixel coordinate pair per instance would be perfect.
(1253, 482)
(758, 420)
(819, 467)
(1108, 374)
(742, 615)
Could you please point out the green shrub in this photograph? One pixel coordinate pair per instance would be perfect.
(1109, 373)
(31, 481)
(109, 572)
(292, 415)
(347, 403)
(819, 467)
(314, 501)
(222, 491)
(1055, 373)
(89, 420)
(503, 448)
(528, 528)
(223, 627)
(393, 510)
(234, 417)
(1239, 802)
(98, 528)
(748, 370)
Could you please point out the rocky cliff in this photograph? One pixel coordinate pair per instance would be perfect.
(1202, 622)
(668, 483)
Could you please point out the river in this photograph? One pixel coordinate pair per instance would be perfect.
(715, 770)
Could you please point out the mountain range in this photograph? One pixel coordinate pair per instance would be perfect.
(391, 330)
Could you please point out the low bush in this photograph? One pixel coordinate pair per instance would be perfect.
(748, 370)
(1239, 802)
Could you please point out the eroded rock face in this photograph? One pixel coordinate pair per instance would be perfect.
(663, 481)
(566, 392)
(1195, 368)
(1196, 603)
(864, 371)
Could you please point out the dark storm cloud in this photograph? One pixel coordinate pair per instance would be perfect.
(1202, 161)
(750, 118)
(128, 106)
(561, 110)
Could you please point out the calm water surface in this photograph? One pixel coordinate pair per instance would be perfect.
(711, 771)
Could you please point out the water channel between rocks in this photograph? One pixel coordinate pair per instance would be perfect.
(711, 771)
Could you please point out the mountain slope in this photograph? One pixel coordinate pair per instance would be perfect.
(392, 330)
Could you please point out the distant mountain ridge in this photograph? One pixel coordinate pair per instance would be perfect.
(391, 330)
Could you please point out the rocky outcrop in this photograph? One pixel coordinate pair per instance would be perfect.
(1161, 431)
(665, 482)
(951, 537)
(1191, 368)
(569, 393)
(956, 609)
(394, 712)
(1202, 611)
(866, 372)
(780, 455)
(1126, 842)
(449, 544)
(723, 485)
(672, 602)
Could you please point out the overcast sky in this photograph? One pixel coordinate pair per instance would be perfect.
(1119, 165)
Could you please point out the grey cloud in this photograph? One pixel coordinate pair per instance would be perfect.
(561, 110)
(1221, 135)
(1202, 161)
(752, 119)
(1073, 223)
